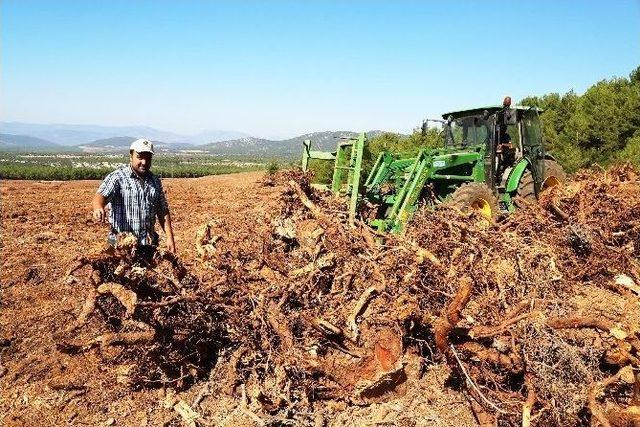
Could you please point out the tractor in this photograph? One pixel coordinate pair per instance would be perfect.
(492, 157)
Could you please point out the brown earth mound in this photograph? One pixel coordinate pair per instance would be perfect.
(533, 319)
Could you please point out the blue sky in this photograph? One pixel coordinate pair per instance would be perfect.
(282, 68)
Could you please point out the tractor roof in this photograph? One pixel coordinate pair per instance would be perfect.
(491, 109)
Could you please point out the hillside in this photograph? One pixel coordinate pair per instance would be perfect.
(9, 142)
(71, 134)
(243, 147)
(121, 144)
(292, 147)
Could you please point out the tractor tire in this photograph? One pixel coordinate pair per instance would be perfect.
(553, 175)
(476, 196)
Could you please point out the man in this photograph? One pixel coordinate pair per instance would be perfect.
(136, 198)
(506, 150)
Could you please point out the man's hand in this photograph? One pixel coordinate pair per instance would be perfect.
(171, 245)
(165, 223)
(98, 204)
(99, 214)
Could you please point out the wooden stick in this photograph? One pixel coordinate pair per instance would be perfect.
(315, 211)
(473, 385)
(364, 299)
(527, 407)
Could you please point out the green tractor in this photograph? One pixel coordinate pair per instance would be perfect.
(491, 157)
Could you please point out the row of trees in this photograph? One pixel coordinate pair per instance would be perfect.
(601, 126)
(65, 173)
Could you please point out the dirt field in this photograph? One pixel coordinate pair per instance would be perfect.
(45, 226)
(278, 312)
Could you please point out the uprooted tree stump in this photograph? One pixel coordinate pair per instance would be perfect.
(154, 316)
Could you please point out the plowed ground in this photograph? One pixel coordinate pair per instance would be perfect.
(45, 226)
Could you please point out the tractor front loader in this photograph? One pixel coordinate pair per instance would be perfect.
(347, 167)
(491, 156)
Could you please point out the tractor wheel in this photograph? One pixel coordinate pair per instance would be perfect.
(553, 175)
(476, 196)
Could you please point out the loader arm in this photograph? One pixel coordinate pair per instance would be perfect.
(411, 175)
(347, 168)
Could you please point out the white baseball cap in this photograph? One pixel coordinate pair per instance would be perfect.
(142, 145)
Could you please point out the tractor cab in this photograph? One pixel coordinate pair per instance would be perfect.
(506, 135)
(466, 130)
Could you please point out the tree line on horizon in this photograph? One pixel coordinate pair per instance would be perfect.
(601, 126)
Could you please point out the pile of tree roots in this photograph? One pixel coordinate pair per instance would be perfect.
(146, 313)
(536, 315)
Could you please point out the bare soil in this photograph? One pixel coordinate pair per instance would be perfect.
(46, 226)
(276, 311)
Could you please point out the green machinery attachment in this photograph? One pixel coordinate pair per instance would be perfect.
(347, 163)
(397, 183)
(479, 167)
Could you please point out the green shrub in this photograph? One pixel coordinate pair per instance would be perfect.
(273, 167)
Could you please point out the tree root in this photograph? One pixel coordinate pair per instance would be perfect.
(490, 331)
(447, 321)
(315, 211)
(527, 407)
(364, 299)
(511, 362)
(87, 308)
(327, 328)
(126, 297)
(556, 210)
(599, 323)
(170, 301)
(625, 374)
(473, 388)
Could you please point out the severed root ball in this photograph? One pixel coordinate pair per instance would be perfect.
(144, 310)
(206, 241)
(126, 241)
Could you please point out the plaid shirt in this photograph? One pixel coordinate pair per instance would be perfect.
(135, 203)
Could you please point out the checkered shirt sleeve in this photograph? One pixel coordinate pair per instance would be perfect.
(110, 185)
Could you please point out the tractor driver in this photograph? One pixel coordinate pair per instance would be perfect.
(506, 151)
(136, 199)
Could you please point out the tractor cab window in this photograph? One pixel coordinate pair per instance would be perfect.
(467, 131)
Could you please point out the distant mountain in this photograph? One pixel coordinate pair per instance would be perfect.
(244, 146)
(121, 144)
(117, 143)
(9, 142)
(209, 136)
(292, 147)
(65, 134)
(238, 146)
